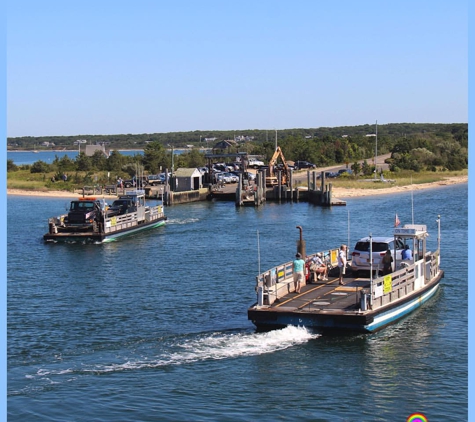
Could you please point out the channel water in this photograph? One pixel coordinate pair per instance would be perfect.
(154, 327)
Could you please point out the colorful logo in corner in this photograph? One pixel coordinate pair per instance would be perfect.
(417, 417)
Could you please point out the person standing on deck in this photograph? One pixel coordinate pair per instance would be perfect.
(387, 262)
(406, 253)
(298, 268)
(342, 262)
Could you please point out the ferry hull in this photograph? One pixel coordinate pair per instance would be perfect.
(364, 322)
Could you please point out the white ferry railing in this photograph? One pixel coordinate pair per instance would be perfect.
(402, 282)
(120, 222)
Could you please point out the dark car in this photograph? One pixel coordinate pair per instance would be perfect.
(132, 183)
(304, 165)
(344, 172)
(121, 206)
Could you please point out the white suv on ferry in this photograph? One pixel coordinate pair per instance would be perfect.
(360, 260)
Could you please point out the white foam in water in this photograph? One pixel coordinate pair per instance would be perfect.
(223, 346)
(234, 345)
(181, 221)
(212, 347)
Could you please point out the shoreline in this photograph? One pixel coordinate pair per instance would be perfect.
(352, 193)
(336, 192)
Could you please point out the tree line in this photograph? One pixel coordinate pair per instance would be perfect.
(415, 147)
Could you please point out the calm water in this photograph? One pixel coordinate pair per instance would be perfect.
(154, 327)
(30, 157)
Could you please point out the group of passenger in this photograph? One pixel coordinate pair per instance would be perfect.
(319, 269)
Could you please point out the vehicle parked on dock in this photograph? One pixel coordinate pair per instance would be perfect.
(233, 178)
(299, 165)
(345, 172)
(155, 179)
(140, 182)
(255, 163)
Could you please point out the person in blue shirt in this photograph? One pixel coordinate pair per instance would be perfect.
(406, 253)
(298, 272)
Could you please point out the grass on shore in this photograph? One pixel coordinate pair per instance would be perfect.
(392, 179)
(25, 180)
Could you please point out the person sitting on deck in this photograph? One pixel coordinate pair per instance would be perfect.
(319, 268)
(406, 253)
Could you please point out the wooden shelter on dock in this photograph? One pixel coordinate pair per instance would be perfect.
(187, 179)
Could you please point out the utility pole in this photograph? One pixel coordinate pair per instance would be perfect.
(376, 152)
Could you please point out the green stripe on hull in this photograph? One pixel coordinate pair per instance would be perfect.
(114, 237)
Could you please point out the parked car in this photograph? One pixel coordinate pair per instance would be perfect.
(136, 182)
(331, 174)
(220, 167)
(222, 178)
(250, 176)
(254, 163)
(360, 258)
(232, 177)
(304, 165)
(156, 179)
(344, 172)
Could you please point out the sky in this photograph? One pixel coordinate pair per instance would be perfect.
(153, 66)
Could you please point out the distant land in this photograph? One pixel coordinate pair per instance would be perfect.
(210, 137)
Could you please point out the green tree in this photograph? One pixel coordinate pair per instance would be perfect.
(11, 166)
(83, 162)
(155, 157)
(64, 164)
(99, 161)
(39, 167)
(115, 161)
(356, 168)
(366, 169)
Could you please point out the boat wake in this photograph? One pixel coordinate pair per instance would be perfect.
(213, 346)
(179, 221)
(223, 346)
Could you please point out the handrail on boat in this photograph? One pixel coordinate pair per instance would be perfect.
(278, 281)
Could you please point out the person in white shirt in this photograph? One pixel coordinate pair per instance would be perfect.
(342, 262)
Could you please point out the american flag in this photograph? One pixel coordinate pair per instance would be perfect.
(396, 221)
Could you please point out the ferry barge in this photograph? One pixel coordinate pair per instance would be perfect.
(361, 304)
(90, 220)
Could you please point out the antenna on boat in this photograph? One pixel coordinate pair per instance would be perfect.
(348, 227)
(438, 233)
(371, 262)
(258, 254)
(412, 201)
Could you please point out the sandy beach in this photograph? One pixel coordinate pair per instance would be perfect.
(348, 193)
(337, 192)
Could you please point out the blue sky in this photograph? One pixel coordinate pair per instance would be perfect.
(114, 67)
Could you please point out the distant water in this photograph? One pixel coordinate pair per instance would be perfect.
(30, 157)
(154, 327)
